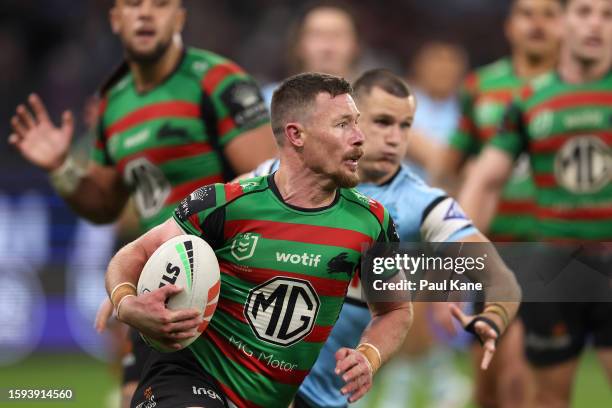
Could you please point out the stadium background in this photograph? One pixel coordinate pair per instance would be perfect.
(51, 265)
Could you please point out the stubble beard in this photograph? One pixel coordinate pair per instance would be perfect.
(148, 58)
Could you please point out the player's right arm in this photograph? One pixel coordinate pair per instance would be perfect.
(484, 184)
(463, 142)
(147, 312)
(486, 179)
(96, 193)
(197, 215)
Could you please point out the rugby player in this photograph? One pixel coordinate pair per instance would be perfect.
(387, 110)
(533, 32)
(171, 119)
(307, 206)
(562, 120)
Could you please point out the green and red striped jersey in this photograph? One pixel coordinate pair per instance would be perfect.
(284, 274)
(168, 141)
(484, 98)
(567, 131)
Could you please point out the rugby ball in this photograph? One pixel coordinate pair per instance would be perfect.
(189, 262)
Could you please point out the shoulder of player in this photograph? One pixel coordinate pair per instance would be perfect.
(535, 86)
(235, 191)
(417, 195)
(366, 204)
(209, 69)
(482, 77)
(414, 185)
(211, 197)
(115, 83)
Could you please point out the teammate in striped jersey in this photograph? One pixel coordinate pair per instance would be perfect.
(532, 29)
(171, 119)
(290, 227)
(563, 120)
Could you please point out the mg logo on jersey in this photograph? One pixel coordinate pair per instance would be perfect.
(282, 311)
(150, 185)
(583, 165)
(244, 245)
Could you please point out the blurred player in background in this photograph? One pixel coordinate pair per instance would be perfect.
(307, 205)
(171, 118)
(387, 110)
(533, 31)
(324, 39)
(435, 76)
(563, 121)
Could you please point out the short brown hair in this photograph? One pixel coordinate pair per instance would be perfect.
(383, 79)
(297, 93)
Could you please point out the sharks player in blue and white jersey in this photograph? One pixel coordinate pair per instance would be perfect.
(421, 213)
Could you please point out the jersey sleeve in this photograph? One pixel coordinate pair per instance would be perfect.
(465, 138)
(512, 137)
(444, 221)
(100, 153)
(388, 232)
(232, 101)
(202, 214)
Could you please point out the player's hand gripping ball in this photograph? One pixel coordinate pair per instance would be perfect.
(190, 263)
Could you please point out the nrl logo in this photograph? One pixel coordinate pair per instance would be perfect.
(244, 245)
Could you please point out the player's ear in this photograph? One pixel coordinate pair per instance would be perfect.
(113, 17)
(295, 134)
(508, 30)
(181, 18)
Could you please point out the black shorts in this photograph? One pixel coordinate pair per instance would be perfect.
(177, 380)
(133, 363)
(558, 332)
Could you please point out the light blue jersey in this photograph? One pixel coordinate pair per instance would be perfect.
(421, 213)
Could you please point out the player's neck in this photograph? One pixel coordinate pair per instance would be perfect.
(576, 71)
(148, 76)
(529, 66)
(300, 187)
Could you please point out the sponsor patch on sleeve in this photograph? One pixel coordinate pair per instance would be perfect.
(245, 103)
(201, 199)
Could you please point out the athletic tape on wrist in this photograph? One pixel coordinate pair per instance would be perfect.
(500, 311)
(120, 291)
(120, 303)
(471, 327)
(372, 354)
(67, 177)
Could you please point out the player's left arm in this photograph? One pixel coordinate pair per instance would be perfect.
(502, 296)
(493, 168)
(380, 340)
(242, 119)
(384, 335)
(444, 222)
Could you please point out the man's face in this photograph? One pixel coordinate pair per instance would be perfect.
(588, 29)
(146, 27)
(386, 121)
(332, 140)
(328, 42)
(534, 27)
(439, 69)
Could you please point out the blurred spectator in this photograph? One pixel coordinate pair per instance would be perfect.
(324, 39)
(435, 76)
